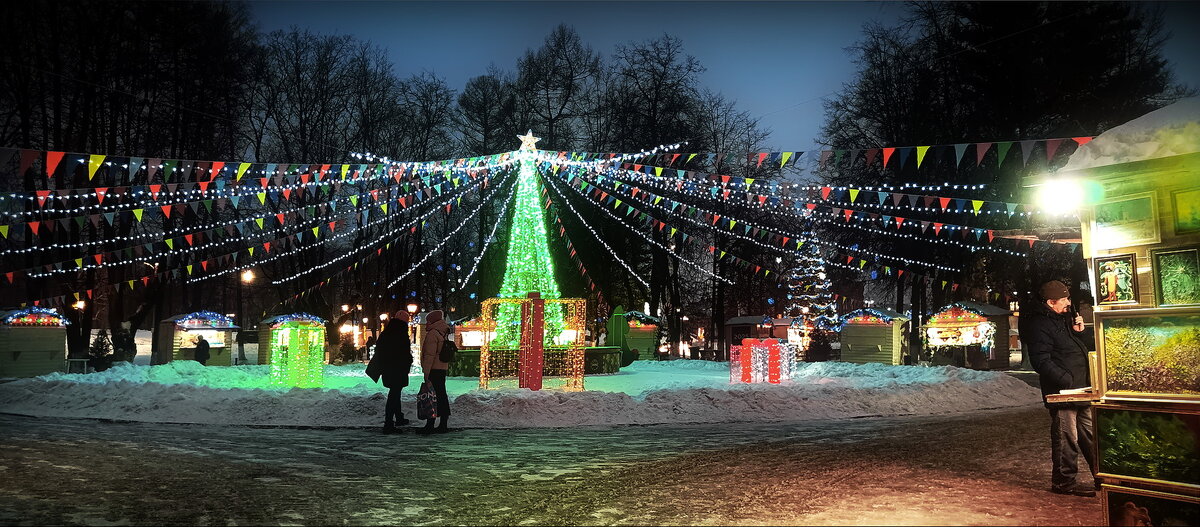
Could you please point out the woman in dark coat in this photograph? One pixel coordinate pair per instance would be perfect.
(392, 361)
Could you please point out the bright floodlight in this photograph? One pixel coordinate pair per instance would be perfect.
(1060, 195)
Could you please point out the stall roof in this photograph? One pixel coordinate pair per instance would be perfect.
(987, 310)
(887, 313)
(6, 314)
(226, 322)
(293, 316)
(754, 320)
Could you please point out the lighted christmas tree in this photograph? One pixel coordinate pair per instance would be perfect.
(811, 303)
(528, 267)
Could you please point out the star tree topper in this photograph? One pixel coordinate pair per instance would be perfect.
(528, 141)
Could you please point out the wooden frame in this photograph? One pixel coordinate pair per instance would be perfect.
(1110, 272)
(1172, 428)
(1126, 336)
(1184, 273)
(1125, 221)
(1147, 507)
(1186, 205)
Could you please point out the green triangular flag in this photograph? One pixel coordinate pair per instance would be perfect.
(1002, 149)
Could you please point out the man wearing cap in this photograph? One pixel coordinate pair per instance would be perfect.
(1051, 332)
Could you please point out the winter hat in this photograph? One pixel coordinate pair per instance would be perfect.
(433, 316)
(1053, 290)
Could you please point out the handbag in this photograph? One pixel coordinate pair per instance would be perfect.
(426, 402)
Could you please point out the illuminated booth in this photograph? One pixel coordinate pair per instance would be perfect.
(178, 336)
(874, 335)
(964, 334)
(33, 341)
(545, 341)
(294, 346)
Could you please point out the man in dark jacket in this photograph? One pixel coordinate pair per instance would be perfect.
(392, 361)
(201, 349)
(1051, 330)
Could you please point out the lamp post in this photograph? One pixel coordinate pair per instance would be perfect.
(246, 278)
(412, 328)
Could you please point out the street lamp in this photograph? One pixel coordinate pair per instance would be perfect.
(247, 278)
(80, 305)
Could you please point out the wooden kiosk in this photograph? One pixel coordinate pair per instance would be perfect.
(177, 335)
(1142, 240)
(33, 341)
(874, 335)
(967, 334)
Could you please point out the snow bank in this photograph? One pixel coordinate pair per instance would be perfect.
(1168, 131)
(644, 393)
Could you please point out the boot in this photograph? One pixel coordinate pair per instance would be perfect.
(442, 428)
(427, 429)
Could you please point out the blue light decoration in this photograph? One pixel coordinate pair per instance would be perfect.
(296, 317)
(35, 316)
(770, 301)
(205, 319)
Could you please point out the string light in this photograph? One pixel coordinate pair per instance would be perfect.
(296, 351)
(612, 252)
(487, 243)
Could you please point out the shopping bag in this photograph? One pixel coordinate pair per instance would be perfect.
(426, 402)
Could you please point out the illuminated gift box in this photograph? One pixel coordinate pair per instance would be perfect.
(33, 341)
(177, 337)
(766, 360)
(294, 346)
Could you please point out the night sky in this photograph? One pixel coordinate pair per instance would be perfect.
(776, 59)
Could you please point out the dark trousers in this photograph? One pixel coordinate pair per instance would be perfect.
(391, 411)
(1070, 436)
(438, 379)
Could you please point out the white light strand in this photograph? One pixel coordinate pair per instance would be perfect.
(611, 251)
(490, 238)
(447, 237)
(650, 240)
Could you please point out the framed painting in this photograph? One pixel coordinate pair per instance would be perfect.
(1116, 279)
(1133, 507)
(1125, 221)
(1149, 354)
(1187, 210)
(1152, 446)
(1176, 276)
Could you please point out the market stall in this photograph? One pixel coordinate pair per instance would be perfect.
(33, 341)
(1141, 234)
(294, 346)
(177, 337)
(965, 334)
(874, 335)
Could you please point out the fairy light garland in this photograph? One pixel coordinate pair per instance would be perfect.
(665, 249)
(446, 239)
(491, 237)
(612, 252)
(773, 231)
(36, 316)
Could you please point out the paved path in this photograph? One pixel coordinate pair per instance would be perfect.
(985, 468)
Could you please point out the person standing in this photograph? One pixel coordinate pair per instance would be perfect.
(435, 369)
(1052, 331)
(392, 361)
(201, 350)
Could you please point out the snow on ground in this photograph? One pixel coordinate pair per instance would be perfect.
(647, 392)
(1169, 131)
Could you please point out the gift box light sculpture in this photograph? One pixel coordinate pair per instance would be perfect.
(537, 355)
(765, 360)
(296, 349)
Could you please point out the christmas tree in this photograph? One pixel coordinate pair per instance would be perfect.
(811, 304)
(528, 267)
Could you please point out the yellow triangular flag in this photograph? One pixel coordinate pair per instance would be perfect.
(690, 156)
(137, 213)
(170, 243)
(976, 204)
(658, 171)
(672, 232)
(189, 268)
(316, 232)
(853, 194)
(259, 221)
(130, 282)
(384, 208)
(345, 168)
(94, 162)
(262, 198)
(4, 230)
(251, 249)
(242, 171)
(786, 157)
(79, 262)
(921, 150)
(749, 181)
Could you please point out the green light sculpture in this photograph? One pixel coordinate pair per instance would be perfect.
(297, 350)
(528, 266)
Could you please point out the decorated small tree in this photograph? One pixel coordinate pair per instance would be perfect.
(811, 304)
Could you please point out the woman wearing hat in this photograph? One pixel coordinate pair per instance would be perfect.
(435, 370)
